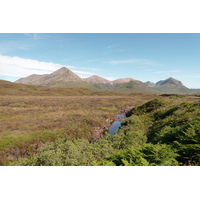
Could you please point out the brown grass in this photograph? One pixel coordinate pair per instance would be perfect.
(27, 122)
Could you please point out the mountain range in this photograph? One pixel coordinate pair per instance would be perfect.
(65, 78)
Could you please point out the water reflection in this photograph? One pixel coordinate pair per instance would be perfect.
(116, 124)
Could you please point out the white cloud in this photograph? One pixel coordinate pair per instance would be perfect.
(21, 67)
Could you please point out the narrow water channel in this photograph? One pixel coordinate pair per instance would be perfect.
(116, 124)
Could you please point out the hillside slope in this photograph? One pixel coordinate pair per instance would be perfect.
(99, 82)
(135, 87)
(171, 86)
(63, 77)
(9, 88)
(125, 85)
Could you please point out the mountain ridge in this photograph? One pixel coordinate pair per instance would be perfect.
(97, 79)
(150, 84)
(172, 81)
(171, 85)
(64, 77)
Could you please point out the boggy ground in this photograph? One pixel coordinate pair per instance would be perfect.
(28, 122)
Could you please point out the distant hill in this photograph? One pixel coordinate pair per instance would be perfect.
(196, 90)
(65, 78)
(99, 82)
(125, 85)
(19, 89)
(122, 80)
(63, 74)
(172, 81)
(150, 84)
(135, 86)
(172, 86)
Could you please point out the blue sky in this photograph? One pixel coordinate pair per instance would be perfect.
(145, 57)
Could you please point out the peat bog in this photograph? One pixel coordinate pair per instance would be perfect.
(33, 128)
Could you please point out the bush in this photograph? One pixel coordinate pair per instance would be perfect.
(64, 152)
(159, 155)
(146, 155)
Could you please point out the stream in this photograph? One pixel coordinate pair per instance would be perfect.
(116, 124)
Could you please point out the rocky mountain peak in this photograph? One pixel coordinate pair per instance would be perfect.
(61, 75)
(97, 80)
(170, 80)
(123, 80)
(65, 75)
(150, 84)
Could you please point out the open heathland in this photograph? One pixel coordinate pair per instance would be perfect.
(71, 130)
(29, 122)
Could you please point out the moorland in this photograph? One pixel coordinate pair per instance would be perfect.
(72, 130)
(28, 122)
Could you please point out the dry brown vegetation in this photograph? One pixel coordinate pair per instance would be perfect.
(28, 122)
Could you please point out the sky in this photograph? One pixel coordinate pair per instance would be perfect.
(142, 56)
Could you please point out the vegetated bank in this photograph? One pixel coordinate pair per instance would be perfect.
(157, 133)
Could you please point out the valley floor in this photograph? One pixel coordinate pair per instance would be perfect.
(32, 126)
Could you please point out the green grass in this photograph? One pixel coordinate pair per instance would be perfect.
(172, 89)
(157, 133)
(135, 87)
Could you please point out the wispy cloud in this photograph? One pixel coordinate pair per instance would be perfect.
(79, 70)
(82, 72)
(10, 46)
(23, 43)
(166, 72)
(89, 68)
(33, 35)
(113, 49)
(111, 46)
(93, 60)
(21, 67)
(127, 61)
(134, 61)
(110, 78)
